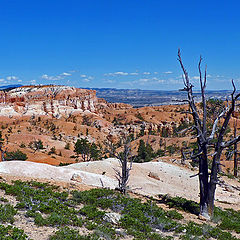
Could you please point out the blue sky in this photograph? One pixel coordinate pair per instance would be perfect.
(118, 43)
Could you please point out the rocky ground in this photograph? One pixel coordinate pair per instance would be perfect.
(151, 179)
(146, 180)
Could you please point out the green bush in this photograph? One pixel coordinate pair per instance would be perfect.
(22, 145)
(36, 145)
(10, 232)
(7, 213)
(67, 233)
(15, 155)
(49, 207)
(52, 151)
(64, 164)
(180, 203)
(139, 116)
(173, 214)
(67, 146)
(228, 219)
(91, 212)
(160, 153)
(172, 149)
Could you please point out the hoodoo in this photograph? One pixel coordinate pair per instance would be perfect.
(46, 100)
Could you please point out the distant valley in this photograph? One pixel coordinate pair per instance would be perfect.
(143, 98)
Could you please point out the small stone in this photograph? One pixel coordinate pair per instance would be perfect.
(76, 177)
(229, 189)
(113, 218)
(203, 218)
(153, 175)
(118, 231)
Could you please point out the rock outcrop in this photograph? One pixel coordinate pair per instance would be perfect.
(46, 100)
(52, 100)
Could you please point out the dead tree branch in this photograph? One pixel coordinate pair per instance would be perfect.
(208, 186)
(125, 159)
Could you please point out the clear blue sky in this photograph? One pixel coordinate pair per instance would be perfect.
(118, 43)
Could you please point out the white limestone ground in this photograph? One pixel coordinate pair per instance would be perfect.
(174, 180)
(45, 171)
(171, 179)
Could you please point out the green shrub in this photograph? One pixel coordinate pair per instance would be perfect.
(67, 146)
(41, 198)
(139, 116)
(173, 214)
(67, 233)
(64, 164)
(90, 225)
(194, 229)
(160, 153)
(52, 151)
(36, 145)
(172, 149)
(10, 232)
(105, 232)
(22, 145)
(2, 199)
(91, 196)
(7, 213)
(180, 203)
(91, 212)
(15, 155)
(49, 207)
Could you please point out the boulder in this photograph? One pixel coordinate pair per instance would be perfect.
(113, 218)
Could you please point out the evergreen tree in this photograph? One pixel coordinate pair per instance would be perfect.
(145, 152)
(88, 151)
(95, 153)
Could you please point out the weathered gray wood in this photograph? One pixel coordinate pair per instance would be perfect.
(208, 184)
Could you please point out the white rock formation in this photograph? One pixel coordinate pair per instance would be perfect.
(56, 101)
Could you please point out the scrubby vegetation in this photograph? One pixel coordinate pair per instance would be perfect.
(10, 232)
(48, 206)
(15, 155)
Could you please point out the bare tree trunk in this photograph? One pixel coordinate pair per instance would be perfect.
(125, 161)
(213, 184)
(183, 159)
(208, 186)
(235, 168)
(125, 173)
(203, 183)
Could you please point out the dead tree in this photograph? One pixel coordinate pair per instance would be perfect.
(183, 156)
(208, 182)
(2, 152)
(125, 159)
(235, 153)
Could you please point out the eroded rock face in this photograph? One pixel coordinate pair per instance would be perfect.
(46, 100)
